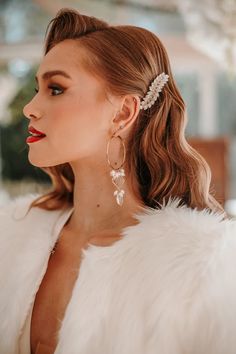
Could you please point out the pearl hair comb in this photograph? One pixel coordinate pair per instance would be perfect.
(154, 91)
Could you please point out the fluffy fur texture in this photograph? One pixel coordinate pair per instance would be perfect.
(167, 287)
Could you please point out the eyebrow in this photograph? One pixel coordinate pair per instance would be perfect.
(48, 74)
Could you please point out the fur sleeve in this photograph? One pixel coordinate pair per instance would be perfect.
(200, 313)
(210, 321)
(18, 202)
(192, 289)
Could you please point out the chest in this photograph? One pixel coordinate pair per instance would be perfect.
(52, 299)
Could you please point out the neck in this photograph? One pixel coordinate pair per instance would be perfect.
(95, 206)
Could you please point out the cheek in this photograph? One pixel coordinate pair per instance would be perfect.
(72, 122)
(76, 126)
(71, 130)
(78, 116)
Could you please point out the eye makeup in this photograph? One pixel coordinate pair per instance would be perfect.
(55, 89)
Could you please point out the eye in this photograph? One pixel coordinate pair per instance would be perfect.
(56, 90)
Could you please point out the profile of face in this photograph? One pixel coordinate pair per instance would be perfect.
(71, 108)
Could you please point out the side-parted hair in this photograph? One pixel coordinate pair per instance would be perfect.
(159, 161)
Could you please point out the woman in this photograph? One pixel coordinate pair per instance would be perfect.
(129, 252)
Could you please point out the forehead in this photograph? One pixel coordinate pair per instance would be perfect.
(66, 55)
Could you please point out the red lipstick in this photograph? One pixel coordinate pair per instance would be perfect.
(36, 135)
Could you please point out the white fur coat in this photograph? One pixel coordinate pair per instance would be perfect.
(167, 287)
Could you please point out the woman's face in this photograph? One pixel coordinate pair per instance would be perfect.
(70, 107)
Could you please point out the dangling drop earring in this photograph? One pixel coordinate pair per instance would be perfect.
(117, 174)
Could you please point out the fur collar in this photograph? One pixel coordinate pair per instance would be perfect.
(167, 286)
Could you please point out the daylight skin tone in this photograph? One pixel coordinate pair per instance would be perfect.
(78, 118)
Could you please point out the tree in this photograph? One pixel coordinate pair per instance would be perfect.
(14, 149)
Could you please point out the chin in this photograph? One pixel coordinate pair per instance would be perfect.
(38, 162)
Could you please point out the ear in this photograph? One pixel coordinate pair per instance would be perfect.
(127, 114)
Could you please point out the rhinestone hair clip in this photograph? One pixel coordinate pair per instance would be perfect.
(154, 91)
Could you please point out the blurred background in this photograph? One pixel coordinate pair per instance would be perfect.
(200, 37)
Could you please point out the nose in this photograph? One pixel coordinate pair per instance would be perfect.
(30, 110)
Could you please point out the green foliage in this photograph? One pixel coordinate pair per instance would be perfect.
(14, 149)
(22, 97)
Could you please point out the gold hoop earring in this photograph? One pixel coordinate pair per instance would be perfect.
(117, 173)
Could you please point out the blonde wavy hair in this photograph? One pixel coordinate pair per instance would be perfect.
(159, 161)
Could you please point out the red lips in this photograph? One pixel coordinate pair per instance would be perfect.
(35, 131)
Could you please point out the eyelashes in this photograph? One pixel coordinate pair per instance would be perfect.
(55, 90)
